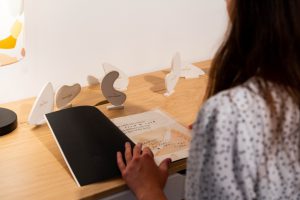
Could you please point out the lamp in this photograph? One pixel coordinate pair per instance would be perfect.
(11, 50)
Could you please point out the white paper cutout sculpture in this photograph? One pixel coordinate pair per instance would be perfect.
(92, 80)
(66, 94)
(189, 71)
(115, 97)
(44, 103)
(171, 79)
(122, 82)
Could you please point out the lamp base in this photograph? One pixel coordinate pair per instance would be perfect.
(8, 121)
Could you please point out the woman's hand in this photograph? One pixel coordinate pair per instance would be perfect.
(141, 173)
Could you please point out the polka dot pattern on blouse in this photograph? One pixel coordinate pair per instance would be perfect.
(234, 152)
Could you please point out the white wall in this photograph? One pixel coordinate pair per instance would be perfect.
(66, 40)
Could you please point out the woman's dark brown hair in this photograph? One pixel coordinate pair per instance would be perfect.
(263, 41)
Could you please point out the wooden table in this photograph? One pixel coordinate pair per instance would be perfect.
(31, 166)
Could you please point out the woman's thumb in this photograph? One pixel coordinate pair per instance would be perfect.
(164, 165)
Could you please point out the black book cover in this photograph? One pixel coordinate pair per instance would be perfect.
(88, 141)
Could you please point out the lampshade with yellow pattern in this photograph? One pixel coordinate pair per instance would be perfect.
(11, 31)
(11, 50)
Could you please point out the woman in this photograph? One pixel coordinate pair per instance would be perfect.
(246, 141)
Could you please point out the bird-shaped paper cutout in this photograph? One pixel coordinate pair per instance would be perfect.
(115, 97)
(122, 82)
(172, 78)
(43, 104)
(66, 94)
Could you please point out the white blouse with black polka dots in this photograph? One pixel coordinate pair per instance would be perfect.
(234, 153)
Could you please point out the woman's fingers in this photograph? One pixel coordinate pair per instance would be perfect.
(128, 152)
(120, 162)
(147, 150)
(137, 150)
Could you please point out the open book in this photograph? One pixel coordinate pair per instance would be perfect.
(155, 129)
(88, 140)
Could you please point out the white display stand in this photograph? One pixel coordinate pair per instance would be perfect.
(172, 78)
(115, 97)
(44, 103)
(92, 80)
(178, 69)
(66, 94)
(189, 71)
(122, 81)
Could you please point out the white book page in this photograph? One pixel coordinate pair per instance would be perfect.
(155, 129)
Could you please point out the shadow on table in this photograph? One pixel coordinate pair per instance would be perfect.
(158, 83)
